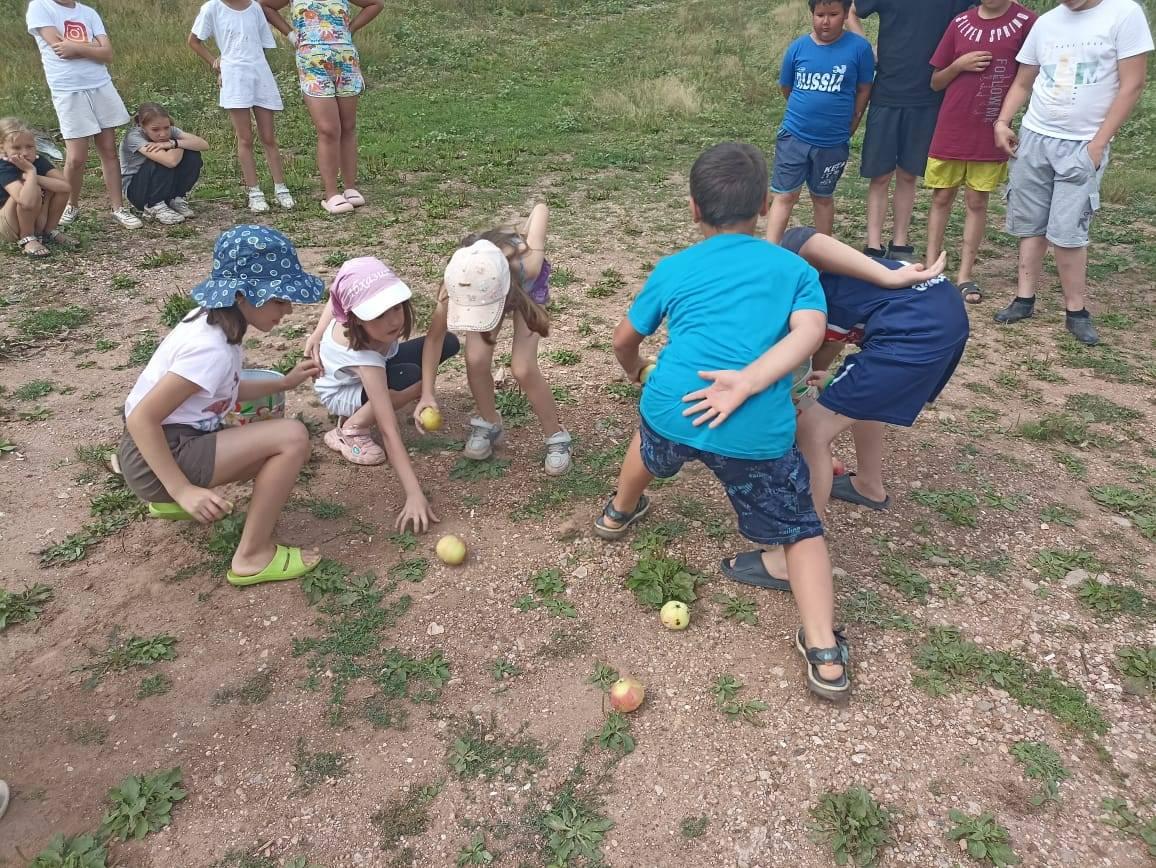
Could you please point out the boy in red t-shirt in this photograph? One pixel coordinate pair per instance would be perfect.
(976, 63)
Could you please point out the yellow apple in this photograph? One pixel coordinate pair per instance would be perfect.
(451, 550)
(675, 615)
(647, 370)
(431, 419)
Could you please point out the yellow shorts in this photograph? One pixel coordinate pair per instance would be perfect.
(981, 177)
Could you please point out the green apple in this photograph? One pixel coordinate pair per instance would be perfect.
(451, 550)
(675, 615)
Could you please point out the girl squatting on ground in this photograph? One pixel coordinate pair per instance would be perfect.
(248, 90)
(369, 372)
(491, 276)
(175, 451)
(33, 193)
(329, 70)
(159, 165)
(75, 51)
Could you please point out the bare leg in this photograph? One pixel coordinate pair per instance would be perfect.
(479, 357)
(809, 568)
(941, 202)
(366, 417)
(75, 162)
(824, 207)
(323, 111)
(243, 128)
(347, 111)
(868, 478)
(782, 204)
(1032, 252)
(1072, 263)
(524, 366)
(26, 219)
(904, 205)
(877, 192)
(975, 224)
(271, 454)
(267, 131)
(105, 142)
(632, 479)
(818, 427)
(55, 207)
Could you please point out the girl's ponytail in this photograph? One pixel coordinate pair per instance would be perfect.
(149, 112)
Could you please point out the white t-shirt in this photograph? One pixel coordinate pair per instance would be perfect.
(1077, 53)
(339, 388)
(198, 352)
(241, 37)
(77, 23)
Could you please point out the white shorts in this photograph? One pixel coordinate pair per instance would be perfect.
(342, 400)
(85, 113)
(249, 85)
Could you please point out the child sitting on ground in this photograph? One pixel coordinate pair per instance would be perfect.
(733, 300)
(175, 451)
(826, 80)
(368, 372)
(33, 193)
(159, 165)
(499, 274)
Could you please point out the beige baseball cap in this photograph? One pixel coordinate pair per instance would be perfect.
(477, 281)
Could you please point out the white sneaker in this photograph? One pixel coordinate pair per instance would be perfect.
(558, 453)
(71, 212)
(124, 216)
(283, 196)
(181, 206)
(257, 203)
(483, 437)
(163, 214)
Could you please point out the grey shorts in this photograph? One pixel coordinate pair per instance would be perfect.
(897, 137)
(1053, 190)
(194, 451)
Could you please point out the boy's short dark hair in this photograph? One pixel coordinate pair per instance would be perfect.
(729, 183)
(846, 4)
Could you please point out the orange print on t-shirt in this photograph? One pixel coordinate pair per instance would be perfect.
(76, 31)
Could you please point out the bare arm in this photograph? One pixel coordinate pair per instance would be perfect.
(626, 344)
(55, 182)
(370, 9)
(853, 22)
(1133, 73)
(272, 10)
(313, 342)
(431, 353)
(826, 355)
(190, 142)
(1017, 97)
(27, 193)
(100, 50)
(163, 153)
(202, 52)
(833, 256)
(862, 97)
(248, 390)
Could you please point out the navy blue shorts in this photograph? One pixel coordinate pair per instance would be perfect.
(797, 162)
(897, 137)
(872, 387)
(771, 497)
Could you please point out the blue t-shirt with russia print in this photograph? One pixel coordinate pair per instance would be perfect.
(824, 80)
(726, 301)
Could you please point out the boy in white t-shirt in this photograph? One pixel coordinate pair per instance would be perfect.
(1084, 66)
(75, 51)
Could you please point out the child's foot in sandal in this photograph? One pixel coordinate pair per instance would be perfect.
(356, 445)
(613, 523)
(33, 247)
(169, 512)
(287, 564)
(971, 292)
(750, 568)
(826, 667)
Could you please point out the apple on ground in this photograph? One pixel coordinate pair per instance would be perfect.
(675, 615)
(626, 694)
(451, 550)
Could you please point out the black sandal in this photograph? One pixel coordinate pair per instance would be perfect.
(838, 690)
(971, 292)
(748, 569)
(624, 519)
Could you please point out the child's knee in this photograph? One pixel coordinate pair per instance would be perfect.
(976, 200)
(524, 369)
(295, 439)
(245, 138)
(943, 196)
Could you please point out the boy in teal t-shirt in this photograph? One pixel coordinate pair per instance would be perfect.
(730, 301)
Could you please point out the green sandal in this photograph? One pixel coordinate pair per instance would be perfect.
(169, 512)
(287, 564)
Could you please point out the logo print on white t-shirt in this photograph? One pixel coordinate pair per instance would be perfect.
(76, 31)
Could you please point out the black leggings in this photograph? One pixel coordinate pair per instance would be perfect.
(404, 369)
(154, 183)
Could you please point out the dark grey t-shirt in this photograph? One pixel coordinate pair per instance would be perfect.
(909, 32)
(131, 159)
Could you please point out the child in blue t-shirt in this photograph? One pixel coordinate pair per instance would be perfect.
(826, 79)
(728, 301)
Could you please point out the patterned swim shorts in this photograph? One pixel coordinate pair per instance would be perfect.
(329, 70)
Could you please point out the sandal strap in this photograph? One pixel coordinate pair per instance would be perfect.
(840, 654)
(26, 240)
(617, 515)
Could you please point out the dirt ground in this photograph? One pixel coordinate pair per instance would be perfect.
(63, 745)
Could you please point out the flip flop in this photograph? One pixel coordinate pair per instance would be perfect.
(337, 205)
(748, 569)
(842, 489)
(354, 198)
(624, 519)
(169, 512)
(971, 292)
(286, 564)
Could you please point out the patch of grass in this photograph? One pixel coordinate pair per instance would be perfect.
(140, 804)
(34, 390)
(479, 750)
(317, 768)
(1138, 667)
(162, 259)
(958, 507)
(243, 859)
(468, 470)
(653, 539)
(406, 540)
(288, 361)
(623, 391)
(603, 676)
(563, 397)
(514, 407)
(741, 609)
(1059, 514)
(39, 414)
(1104, 360)
(403, 676)
(52, 322)
(127, 653)
(154, 685)
(986, 840)
(853, 825)
(726, 689)
(325, 509)
(475, 852)
(87, 733)
(1096, 408)
(908, 582)
(143, 349)
(948, 661)
(590, 476)
(252, 691)
(1041, 763)
(870, 609)
(615, 736)
(328, 577)
(175, 308)
(564, 357)
(1138, 506)
(503, 670)
(693, 827)
(1118, 815)
(573, 824)
(1054, 564)
(1107, 600)
(1075, 468)
(383, 713)
(79, 851)
(409, 570)
(655, 581)
(1041, 369)
(406, 815)
(20, 607)
(1058, 428)
(547, 590)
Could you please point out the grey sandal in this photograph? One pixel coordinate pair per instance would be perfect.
(971, 292)
(843, 489)
(624, 519)
(748, 569)
(837, 690)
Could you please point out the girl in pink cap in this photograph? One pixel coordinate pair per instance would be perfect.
(369, 370)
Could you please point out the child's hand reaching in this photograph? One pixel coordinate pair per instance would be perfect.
(422, 405)
(417, 512)
(304, 370)
(911, 275)
(203, 505)
(312, 350)
(728, 392)
(817, 379)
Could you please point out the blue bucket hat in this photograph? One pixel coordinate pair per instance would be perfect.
(262, 264)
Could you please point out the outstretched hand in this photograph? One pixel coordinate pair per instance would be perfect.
(715, 403)
(912, 275)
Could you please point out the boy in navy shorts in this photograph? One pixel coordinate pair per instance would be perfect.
(826, 80)
(729, 301)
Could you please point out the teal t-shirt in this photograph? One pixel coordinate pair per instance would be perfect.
(726, 301)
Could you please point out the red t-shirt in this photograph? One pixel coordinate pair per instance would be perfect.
(972, 101)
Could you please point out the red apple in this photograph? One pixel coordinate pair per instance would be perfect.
(626, 694)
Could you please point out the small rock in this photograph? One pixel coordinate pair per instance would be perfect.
(984, 705)
(1074, 578)
(936, 560)
(581, 572)
(1120, 520)
(838, 572)
(435, 629)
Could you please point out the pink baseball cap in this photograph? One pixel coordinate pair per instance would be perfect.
(366, 287)
(477, 281)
